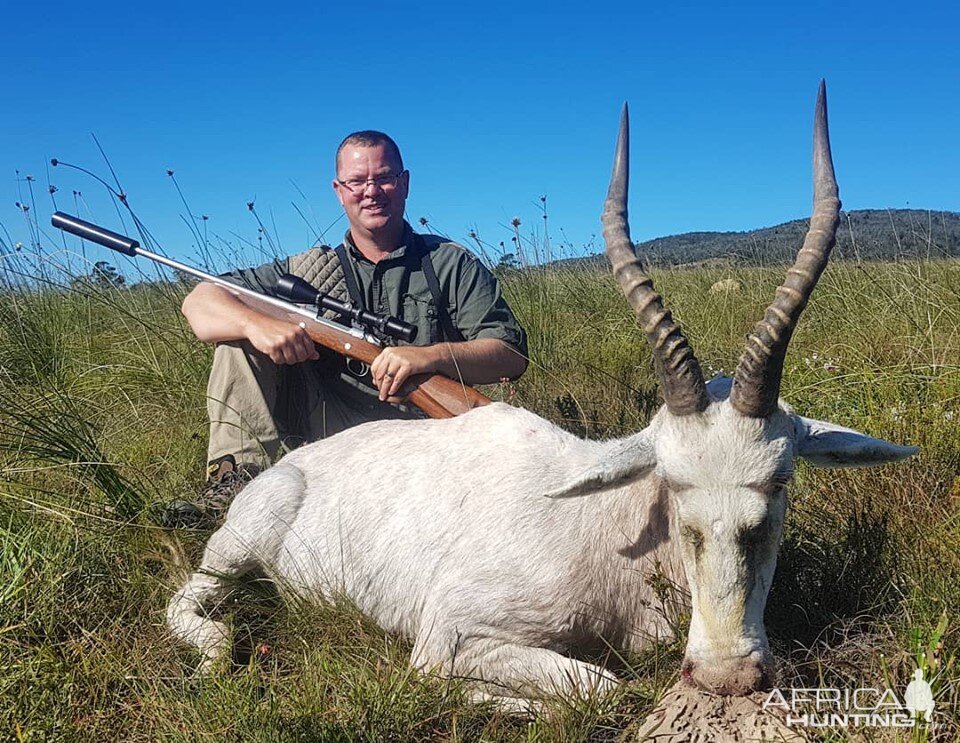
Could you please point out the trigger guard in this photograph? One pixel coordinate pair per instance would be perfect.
(357, 368)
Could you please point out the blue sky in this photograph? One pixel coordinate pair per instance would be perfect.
(494, 105)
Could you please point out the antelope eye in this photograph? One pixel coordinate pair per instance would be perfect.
(693, 537)
(676, 487)
(754, 535)
(771, 487)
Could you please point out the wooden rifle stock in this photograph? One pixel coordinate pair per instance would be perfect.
(436, 395)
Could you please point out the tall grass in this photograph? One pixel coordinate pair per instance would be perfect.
(102, 420)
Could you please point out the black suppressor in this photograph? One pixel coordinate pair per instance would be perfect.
(95, 234)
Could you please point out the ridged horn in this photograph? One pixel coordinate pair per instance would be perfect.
(681, 380)
(756, 382)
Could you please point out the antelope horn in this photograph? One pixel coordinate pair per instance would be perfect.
(756, 382)
(680, 377)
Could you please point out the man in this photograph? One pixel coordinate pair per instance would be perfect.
(271, 389)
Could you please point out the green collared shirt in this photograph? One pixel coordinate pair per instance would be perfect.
(396, 286)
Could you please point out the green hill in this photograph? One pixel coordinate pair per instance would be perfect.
(868, 234)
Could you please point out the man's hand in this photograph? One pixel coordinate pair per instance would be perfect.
(480, 361)
(396, 364)
(217, 317)
(283, 342)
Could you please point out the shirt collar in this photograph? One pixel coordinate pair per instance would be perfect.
(406, 240)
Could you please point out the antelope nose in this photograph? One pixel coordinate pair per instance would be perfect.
(729, 676)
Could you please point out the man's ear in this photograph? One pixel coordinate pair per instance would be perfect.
(336, 189)
(616, 464)
(824, 444)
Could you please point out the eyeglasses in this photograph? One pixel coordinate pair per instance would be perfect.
(386, 182)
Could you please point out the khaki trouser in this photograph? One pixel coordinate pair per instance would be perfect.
(259, 410)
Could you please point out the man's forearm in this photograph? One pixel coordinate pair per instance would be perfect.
(480, 361)
(214, 315)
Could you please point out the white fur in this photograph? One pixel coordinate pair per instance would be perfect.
(440, 531)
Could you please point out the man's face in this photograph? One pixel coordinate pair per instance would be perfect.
(370, 208)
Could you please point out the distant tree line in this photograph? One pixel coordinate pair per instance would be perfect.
(103, 275)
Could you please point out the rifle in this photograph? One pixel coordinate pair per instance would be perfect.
(436, 395)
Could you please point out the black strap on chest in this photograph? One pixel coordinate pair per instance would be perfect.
(448, 331)
(350, 277)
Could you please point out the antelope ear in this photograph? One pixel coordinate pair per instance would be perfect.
(824, 444)
(618, 462)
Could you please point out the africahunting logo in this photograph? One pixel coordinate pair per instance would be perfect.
(849, 708)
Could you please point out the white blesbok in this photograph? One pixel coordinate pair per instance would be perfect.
(503, 545)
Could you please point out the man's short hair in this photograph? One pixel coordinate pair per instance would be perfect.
(369, 138)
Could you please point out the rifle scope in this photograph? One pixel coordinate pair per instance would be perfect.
(295, 289)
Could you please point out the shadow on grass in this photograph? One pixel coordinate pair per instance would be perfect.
(831, 572)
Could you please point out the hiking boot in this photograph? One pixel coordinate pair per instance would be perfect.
(182, 514)
(225, 478)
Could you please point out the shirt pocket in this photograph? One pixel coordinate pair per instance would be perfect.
(422, 312)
